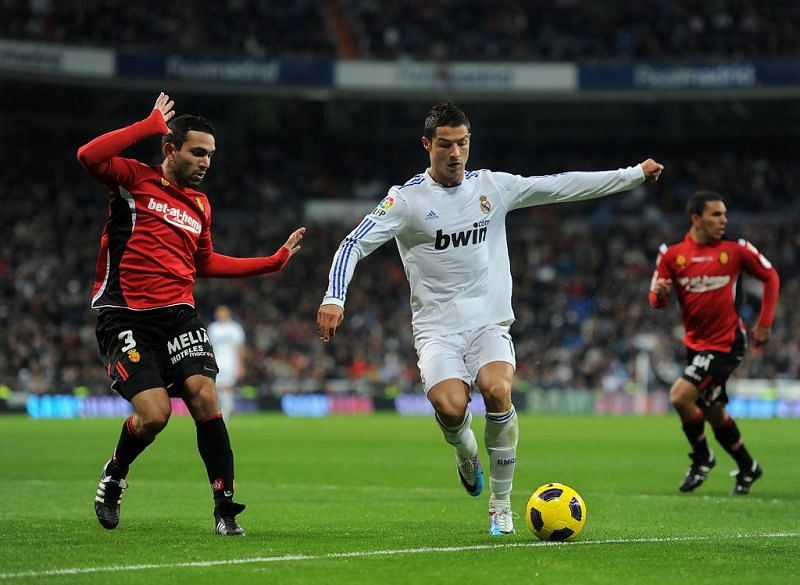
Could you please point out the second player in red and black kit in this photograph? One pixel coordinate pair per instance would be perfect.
(705, 269)
(156, 243)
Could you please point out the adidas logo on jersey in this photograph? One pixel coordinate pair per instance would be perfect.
(431, 215)
(476, 235)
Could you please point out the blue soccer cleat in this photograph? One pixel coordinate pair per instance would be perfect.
(471, 474)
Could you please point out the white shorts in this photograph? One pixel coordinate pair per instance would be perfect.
(461, 355)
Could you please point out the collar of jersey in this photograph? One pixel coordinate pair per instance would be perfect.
(438, 184)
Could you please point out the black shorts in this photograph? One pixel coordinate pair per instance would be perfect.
(710, 370)
(158, 348)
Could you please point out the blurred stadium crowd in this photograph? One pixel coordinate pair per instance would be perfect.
(551, 30)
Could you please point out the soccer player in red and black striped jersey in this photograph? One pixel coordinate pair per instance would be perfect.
(156, 242)
(705, 270)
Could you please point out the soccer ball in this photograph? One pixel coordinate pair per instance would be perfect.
(555, 512)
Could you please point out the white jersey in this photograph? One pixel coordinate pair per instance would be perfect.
(227, 338)
(452, 240)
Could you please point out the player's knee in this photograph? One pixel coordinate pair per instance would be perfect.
(200, 395)
(497, 396)
(152, 412)
(681, 404)
(153, 422)
(450, 400)
(718, 416)
(450, 408)
(199, 388)
(682, 395)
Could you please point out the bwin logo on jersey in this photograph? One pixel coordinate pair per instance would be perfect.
(476, 235)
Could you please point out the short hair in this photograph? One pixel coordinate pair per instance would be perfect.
(181, 125)
(444, 114)
(697, 202)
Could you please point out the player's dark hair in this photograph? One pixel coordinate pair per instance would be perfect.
(697, 202)
(181, 125)
(444, 114)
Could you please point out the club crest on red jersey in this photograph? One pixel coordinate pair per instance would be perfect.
(681, 260)
(723, 258)
(164, 182)
(200, 204)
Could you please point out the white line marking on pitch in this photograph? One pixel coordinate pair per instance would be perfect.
(379, 553)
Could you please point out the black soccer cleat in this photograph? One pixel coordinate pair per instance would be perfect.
(225, 517)
(698, 471)
(107, 499)
(745, 479)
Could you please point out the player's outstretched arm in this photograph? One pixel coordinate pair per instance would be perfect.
(215, 265)
(329, 317)
(96, 156)
(651, 169)
(570, 186)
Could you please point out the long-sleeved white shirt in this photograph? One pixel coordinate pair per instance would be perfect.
(452, 240)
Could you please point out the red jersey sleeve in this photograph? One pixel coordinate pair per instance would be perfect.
(756, 264)
(661, 271)
(99, 157)
(221, 266)
(211, 264)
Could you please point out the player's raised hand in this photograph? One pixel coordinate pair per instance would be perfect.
(652, 170)
(328, 319)
(293, 243)
(165, 106)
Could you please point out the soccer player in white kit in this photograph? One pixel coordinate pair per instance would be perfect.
(449, 225)
(227, 338)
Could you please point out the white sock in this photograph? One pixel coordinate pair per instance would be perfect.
(461, 437)
(501, 435)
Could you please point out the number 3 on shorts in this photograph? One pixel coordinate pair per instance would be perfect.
(126, 337)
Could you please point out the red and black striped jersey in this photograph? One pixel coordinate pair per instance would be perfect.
(707, 279)
(157, 238)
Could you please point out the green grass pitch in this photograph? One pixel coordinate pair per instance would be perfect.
(376, 499)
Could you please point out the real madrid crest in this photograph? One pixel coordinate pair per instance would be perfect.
(723, 258)
(486, 206)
